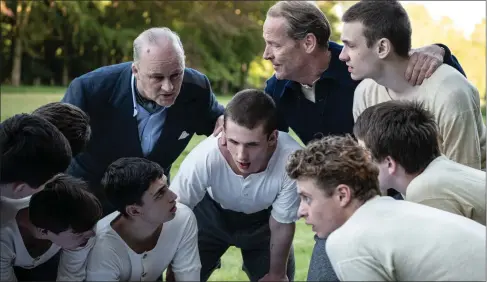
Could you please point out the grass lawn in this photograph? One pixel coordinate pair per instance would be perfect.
(26, 99)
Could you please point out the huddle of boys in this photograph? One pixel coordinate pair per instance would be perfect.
(248, 183)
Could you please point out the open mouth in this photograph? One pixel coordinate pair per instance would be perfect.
(243, 165)
(173, 210)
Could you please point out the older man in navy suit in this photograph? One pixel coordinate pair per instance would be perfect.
(149, 108)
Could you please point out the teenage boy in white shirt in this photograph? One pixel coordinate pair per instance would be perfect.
(240, 192)
(148, 232)
(57, 220)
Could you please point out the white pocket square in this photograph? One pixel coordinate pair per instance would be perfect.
(183, 135)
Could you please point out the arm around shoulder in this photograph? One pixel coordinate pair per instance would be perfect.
(213, 110)
(451, 60)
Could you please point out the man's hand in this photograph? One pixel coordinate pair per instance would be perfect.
(272, 277)
(218, 129)
(218, 126)
(170, 275)
(423, 62)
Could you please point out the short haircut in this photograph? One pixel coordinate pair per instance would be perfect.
(250, 108)
(303, 17)
(151, 36)
(65, 203)
(403, 130)
(383, 19)
(335, 160)
(126, 180)
(73, 122)
(33, 150)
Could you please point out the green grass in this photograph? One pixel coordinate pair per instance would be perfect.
(26, 99)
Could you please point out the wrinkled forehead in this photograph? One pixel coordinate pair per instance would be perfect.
(275, 28)
(161, 58)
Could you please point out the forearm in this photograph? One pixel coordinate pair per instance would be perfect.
(282, 235)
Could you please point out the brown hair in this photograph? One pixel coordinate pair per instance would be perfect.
(383, 19)
(73, 123)
(403, 130)
(335, 160)
(251, 108)
(302, 18)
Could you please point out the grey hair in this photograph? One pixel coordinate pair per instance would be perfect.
(152, 36)
(302, 18)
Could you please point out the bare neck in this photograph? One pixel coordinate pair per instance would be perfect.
(139, 235)
(393, 75)
(315, 68)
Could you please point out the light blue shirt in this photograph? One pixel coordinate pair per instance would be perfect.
(150, 127)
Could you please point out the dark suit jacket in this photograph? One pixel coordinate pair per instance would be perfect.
(105, 94)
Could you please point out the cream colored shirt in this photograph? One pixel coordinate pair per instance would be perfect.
(451, 187)
(390, 240)
(113, 260)
(454, 102)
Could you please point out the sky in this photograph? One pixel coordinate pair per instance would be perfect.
(465, 14)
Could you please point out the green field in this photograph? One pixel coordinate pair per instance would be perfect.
(26, 99)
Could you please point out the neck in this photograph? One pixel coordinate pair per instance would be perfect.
(403, 182)
(393, 77)
(136, 232)
(315, 68)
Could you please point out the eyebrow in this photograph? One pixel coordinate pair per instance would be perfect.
(160, 191)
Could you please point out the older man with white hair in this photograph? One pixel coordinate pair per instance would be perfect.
(148, 108)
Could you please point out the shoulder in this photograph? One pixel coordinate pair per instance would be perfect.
(184, 220)
(287, 143)
(196, 79)
(107, 74)
(366, 86)
(205, 151)
(275, 87)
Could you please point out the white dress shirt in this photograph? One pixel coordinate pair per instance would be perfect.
(113, 260)
(205, 169)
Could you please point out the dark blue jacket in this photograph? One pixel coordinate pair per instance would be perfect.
(105, 94)
(332, 112)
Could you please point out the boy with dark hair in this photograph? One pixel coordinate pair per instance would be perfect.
(240, 192)
(32, 152)
(73, 123)
(403, 140)
(148, 232)
(59, 218)
(377, 41)
(340, 198)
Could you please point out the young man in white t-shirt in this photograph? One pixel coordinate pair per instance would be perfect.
(402, 137)
(377, 41)
(148, 232)
(340, 198)
(240, 192)
(51, 233)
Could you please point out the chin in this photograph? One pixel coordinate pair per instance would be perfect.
(356, 77)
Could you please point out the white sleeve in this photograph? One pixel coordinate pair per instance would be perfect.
(285, 206)
(103, 264)
(191, 180)
(72, 264)
(364, 268)
(7, 257)
(186, 263)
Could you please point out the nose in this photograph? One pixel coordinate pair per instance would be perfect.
(167, 85)
(343, 55)
(302, 211)
(173, 196)
(267, 53)
(242, 153)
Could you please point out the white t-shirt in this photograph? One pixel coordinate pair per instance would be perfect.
(205, 169)
(14, 253)
(390, 240)
(113, 260)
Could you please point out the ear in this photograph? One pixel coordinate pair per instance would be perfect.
(273, 137)
(310, 43)
(132, 210)
(392, 165)
(383, 48)
(343, 195)
(42, 233)
(135, 69)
